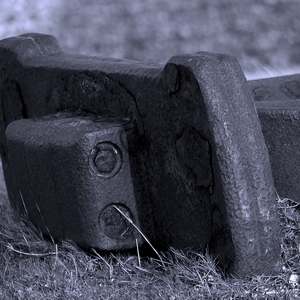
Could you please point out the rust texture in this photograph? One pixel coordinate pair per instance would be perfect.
(197, 172)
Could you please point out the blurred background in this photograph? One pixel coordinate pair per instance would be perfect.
(263, 34)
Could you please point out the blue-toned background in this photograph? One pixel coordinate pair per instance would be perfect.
(263, 34)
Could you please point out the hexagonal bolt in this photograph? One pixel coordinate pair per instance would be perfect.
(113, 224)
(105, 159)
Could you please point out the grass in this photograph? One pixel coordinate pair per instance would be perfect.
(32, 267)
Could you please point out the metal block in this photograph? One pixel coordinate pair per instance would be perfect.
(277, 101)
(69, 172)
(200, 174)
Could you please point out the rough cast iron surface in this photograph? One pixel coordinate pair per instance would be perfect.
(278, 106)
(74, 169)
(200, 146)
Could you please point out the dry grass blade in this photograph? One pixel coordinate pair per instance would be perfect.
(10, 247)
(141, 233)
(110, 266)
(24, 205)
(138, 252)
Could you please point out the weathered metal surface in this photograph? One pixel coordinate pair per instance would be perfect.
(203, 176)
(69, 172)
(278, 107)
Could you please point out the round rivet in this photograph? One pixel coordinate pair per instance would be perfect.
(113, 223)
(105, 159)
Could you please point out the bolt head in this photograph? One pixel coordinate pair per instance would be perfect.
(105, 159)
(113, 224)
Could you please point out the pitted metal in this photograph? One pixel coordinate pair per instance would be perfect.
(189, 167)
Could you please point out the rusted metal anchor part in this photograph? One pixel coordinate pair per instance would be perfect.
(70, 172)
(243, 161)
(203, 162)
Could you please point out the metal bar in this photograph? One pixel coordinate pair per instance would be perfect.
(197, 170)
